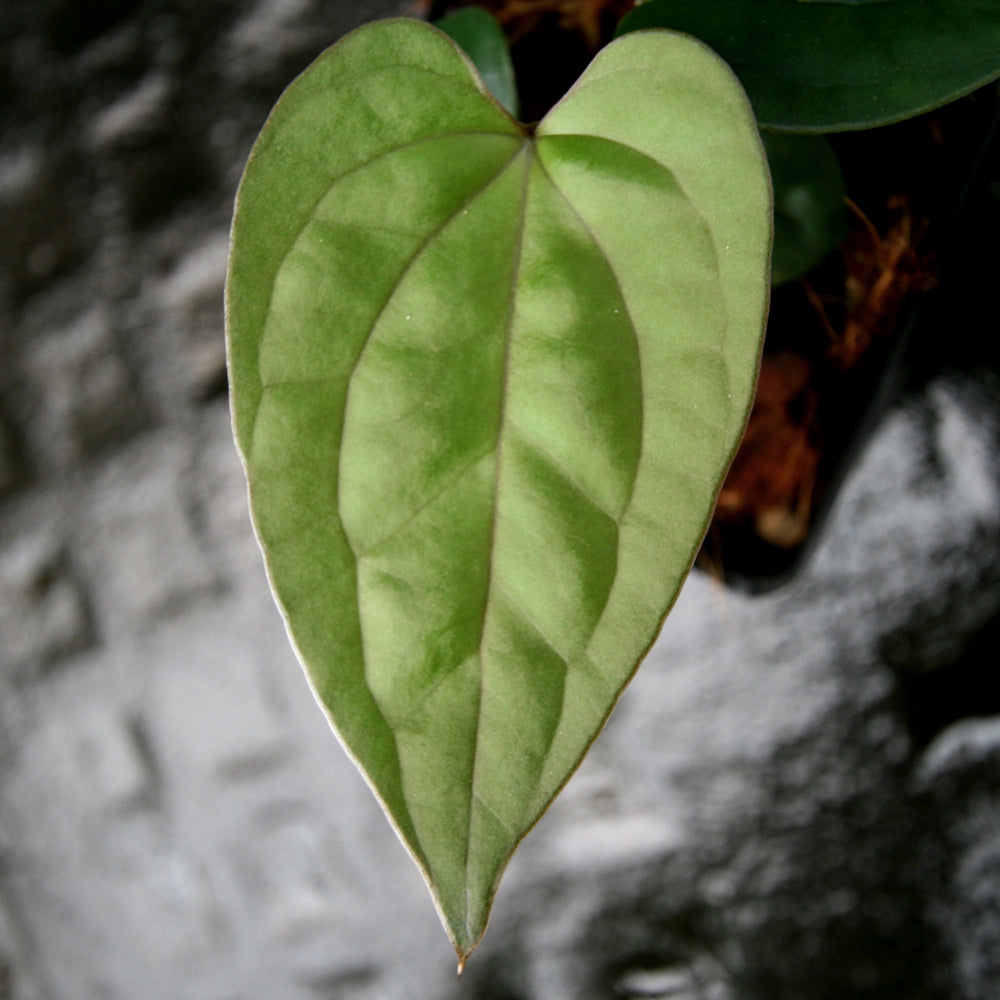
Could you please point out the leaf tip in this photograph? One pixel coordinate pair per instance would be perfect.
(463, 957)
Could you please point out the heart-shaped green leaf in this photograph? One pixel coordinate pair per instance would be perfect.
(829, 65)
(486, 385)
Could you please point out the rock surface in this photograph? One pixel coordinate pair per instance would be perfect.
(798, 797)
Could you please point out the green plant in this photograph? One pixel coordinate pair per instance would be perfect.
(487, 380)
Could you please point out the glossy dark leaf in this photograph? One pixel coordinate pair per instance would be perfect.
(810, 211)
(829, 65)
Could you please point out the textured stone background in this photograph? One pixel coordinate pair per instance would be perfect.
(773, 811)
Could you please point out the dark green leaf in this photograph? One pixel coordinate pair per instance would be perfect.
(486, 386)
(822, 66)
(810, 215)
(482, 39)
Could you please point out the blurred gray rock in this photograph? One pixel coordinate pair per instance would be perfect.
(43, 615)
(137, 539)
(135, 119)
(15, 983)
(191, 298)
(81, 395)
(960, 772)
(11, 463)
(39, 235)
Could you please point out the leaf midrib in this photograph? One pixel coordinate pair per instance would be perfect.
(473, 933)
(528, 151)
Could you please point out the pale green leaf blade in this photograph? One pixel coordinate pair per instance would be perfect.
(676, 198)
(828, 65)
(486, 388)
